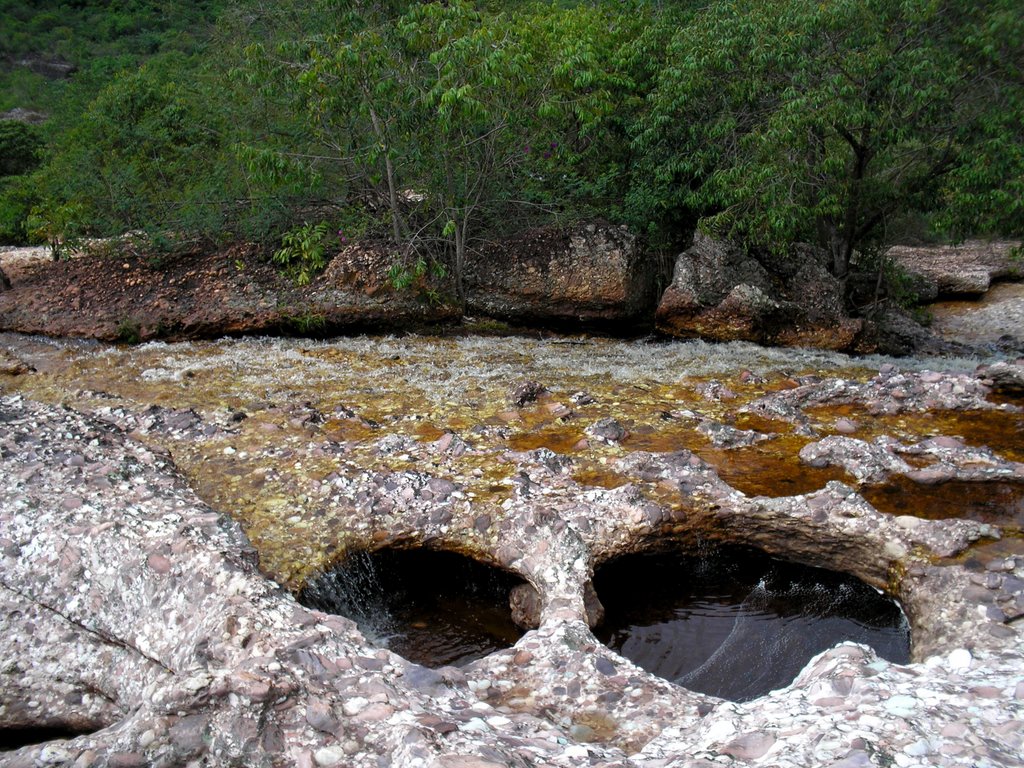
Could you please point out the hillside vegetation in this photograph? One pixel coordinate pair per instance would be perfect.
(438, 126)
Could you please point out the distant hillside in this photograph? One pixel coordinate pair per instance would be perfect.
(46, 42)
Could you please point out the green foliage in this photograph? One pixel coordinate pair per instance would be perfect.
(405, 275)
(442, 126)
(303, 252)
(129, 331)
(57, 226)
(148, 154)
(462, 123)
(306, 323)
(820, 122)
(20, 148)
(20, 145)
(100, 39)
(17, 198)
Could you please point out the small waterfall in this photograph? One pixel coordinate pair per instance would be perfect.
(432, 607)
(355, 589)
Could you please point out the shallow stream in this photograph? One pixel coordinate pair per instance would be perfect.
(263, 426)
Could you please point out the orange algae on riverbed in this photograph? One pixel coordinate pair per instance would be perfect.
(997, 503)
(272, 470)
(1000, 430)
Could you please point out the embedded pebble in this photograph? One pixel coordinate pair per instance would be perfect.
(216, 664)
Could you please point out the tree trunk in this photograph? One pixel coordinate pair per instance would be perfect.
(397, 223)
(460, 259)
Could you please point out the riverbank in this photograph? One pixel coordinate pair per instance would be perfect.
(595, 281)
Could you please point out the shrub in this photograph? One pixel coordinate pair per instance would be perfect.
(303, 252)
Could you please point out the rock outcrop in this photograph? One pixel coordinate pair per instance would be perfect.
(594, 275)
(23, 115)
(721, 293)
(50, 67)
(968, 269)
(1005, 377)
(201, 295)
(135, 616)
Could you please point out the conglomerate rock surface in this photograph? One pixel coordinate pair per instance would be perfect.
(589, 275)
(136, 615)
(966, 269)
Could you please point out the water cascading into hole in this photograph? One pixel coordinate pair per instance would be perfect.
(736, 623)
(431, 607)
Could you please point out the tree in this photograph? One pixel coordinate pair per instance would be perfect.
(146, 154)
(429, 111)
(20, 144)
(788, 121)
(465, 123)
(478, 108)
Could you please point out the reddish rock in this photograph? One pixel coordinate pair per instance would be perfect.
(721, 293)
(202, 294)
(592, 275)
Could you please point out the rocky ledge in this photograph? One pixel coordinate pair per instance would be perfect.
(968, 269)
(593, 276)
(137, 616)
(121, 295)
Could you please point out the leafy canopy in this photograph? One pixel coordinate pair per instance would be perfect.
(442, 126)
(787, 121)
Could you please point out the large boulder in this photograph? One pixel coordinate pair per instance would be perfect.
(591, 275)
(719, 292)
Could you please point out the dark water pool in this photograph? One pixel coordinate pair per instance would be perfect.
(16, 738)
(431, 607)
(737, 623)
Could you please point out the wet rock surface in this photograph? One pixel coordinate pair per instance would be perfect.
(135, 607)
(993, 322)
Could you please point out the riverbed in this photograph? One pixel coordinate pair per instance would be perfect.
(260, 424)
(543, 458)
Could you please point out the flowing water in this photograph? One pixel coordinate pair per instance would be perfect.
(268, 424)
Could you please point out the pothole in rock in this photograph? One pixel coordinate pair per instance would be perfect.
(431, 607)
(735, 622)
(997, 503)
